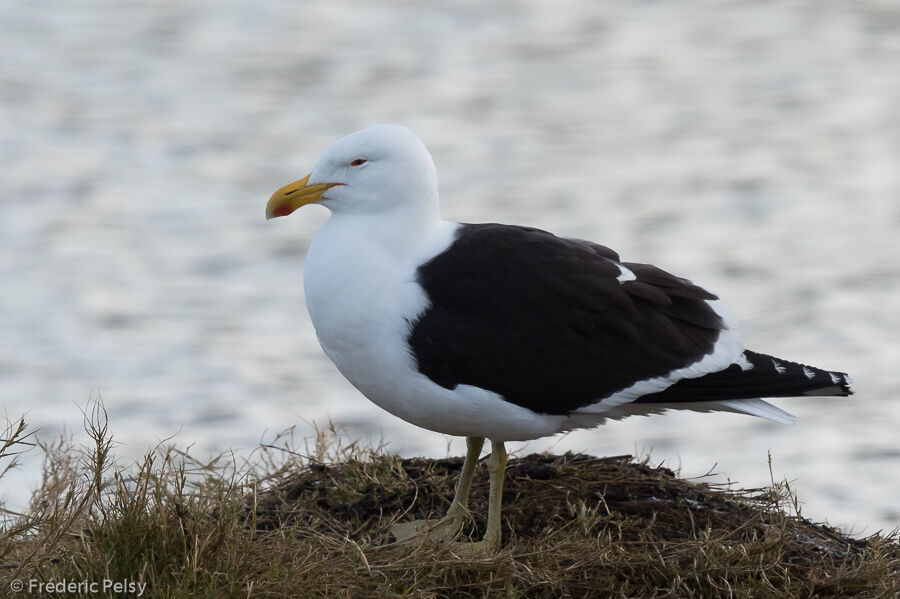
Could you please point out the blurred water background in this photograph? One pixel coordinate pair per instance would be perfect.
(752, 147)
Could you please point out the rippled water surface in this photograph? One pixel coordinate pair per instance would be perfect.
(752, 148)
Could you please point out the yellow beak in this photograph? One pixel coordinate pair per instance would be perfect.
(294, 195)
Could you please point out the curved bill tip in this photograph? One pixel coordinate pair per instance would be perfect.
(294, 195)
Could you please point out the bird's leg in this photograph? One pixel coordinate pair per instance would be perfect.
(491, 542)
(497, 468)
(449, 526)
(459, 509)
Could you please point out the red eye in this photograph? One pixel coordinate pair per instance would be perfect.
(358, 162)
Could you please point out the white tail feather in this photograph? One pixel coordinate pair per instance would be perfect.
(757, 407)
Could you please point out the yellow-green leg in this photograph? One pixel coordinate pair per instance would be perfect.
(449, 526)
(497, 468)
(459, 509)
(492, 536)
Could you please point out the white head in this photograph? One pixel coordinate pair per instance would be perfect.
(376, 170)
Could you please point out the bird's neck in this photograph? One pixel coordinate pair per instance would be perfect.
(398, 232)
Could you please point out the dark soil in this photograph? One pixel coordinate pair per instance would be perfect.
(543, 493)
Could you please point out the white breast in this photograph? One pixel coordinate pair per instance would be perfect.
(362, 297)
(363, 300)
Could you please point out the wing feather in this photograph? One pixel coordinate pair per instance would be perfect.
(546, 323)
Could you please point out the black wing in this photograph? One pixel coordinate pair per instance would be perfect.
(766, 376)
(546, 323)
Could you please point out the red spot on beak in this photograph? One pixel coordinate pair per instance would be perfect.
(283, 210)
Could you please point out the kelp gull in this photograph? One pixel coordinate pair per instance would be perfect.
(506, 332)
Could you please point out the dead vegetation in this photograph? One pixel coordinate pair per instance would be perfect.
(316, 525)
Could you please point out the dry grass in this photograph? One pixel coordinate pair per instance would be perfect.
(291, 525)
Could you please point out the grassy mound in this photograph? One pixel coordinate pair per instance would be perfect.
(290, 525)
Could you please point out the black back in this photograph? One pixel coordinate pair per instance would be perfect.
(544, 322)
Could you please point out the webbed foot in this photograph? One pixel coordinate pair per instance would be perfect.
(438, 530)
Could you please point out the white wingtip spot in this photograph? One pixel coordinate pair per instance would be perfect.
(811, 375)
(778, 367)
(835, 378)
